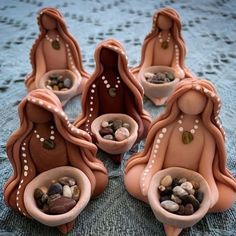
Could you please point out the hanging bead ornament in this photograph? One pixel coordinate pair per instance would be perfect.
(112, 91)
(187, 136)
(55, 43)
(48, 143)
(164, 43)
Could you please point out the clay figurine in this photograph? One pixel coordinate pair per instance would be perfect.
(44, 141)
(189, 135)
(112, 89)
(56, 59)
(164, 47)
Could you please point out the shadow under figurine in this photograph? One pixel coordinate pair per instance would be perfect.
(112, 89)
(163, 50)
(44, 142)
(56, 58)
(188, 135)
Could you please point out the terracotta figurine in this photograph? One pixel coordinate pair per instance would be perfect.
(112, 89)
(164, 45)
(55, 49)
(188, 134)
(45, 140)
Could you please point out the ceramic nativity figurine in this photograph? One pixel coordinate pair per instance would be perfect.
(163, 48)
(56, 59)
(45, 141)
(112, 89)
(189, 135)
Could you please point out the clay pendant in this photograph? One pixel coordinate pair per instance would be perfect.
(49, 144)
(165, 45)
(112, 91)
(55, 44)
(187, 137)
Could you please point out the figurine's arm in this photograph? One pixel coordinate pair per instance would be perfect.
(149, 53)
(175, 63)
(156, 158)
(206, 165)
(40, 61)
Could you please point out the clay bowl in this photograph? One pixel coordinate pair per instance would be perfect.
(158, 93)
(111, 146)
(64, 96)
(172, 219)
(45, 179)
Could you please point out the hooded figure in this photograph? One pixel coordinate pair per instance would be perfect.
(188, 134)
(46, 140)
(55, 49)
(112, 89)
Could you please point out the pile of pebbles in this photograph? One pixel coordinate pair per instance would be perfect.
(180, 196)
(116, 130)
(59, 198)
(59, 82)
(159, 77)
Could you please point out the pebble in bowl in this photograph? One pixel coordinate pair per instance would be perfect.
(64, 83)
(116, 133)
(158, 83)
(64, 209)
(192, 187)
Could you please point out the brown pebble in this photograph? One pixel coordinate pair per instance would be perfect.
(195, 184)
(53, 197)
(55, 87)
(39, 203)
(117, 124)
(44, 198)
(188, 209)
(45, 208)
(105, 131)
(38, 193)
(191, 199)
(181, 210)
(164, 198)
(75, 192)
(61, 205)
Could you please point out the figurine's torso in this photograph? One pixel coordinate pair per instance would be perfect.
(161, 56)
(45, 159)
(54, 58)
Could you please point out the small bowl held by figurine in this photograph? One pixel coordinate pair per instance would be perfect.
(171, 218)
(45, 179)
(64, 83)
(161, 85)
(113, 146)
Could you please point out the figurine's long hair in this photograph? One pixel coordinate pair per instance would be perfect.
(175, 33)
(133, 85)
(69, 39)
(49, 101)
(209, 118)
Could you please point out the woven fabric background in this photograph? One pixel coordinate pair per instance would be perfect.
(209, 28)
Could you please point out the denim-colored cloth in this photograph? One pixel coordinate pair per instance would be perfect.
(209, 28)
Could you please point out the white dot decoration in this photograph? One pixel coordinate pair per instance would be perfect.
(153, 155)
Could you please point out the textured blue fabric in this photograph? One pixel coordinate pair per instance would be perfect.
(209, 28)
